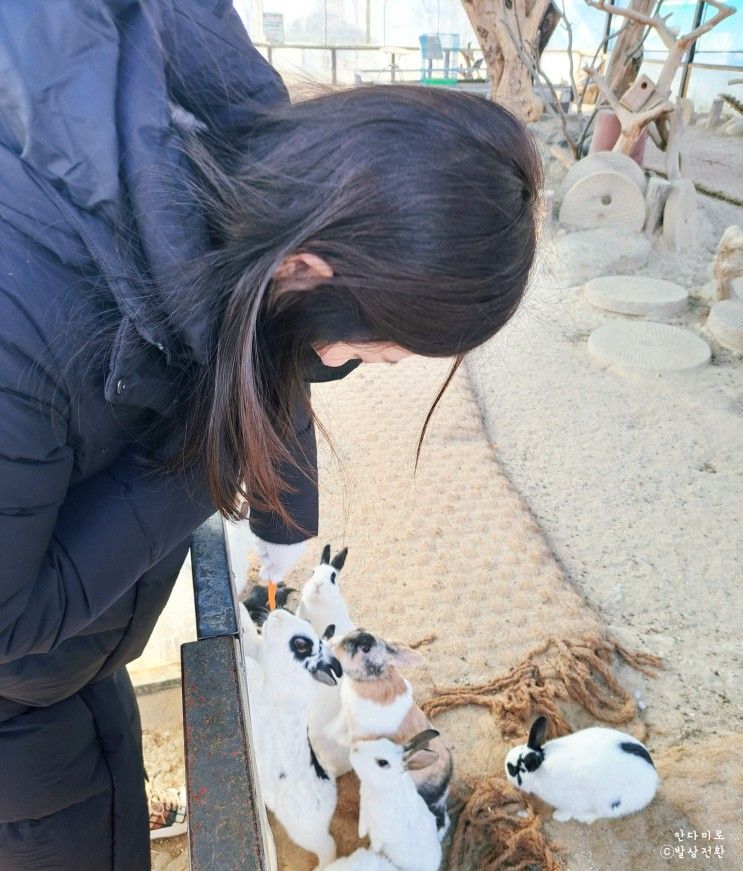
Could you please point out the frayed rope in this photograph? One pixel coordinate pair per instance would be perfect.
(496, 830)
(559, 669)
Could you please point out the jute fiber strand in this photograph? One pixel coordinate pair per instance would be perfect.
(452, 561)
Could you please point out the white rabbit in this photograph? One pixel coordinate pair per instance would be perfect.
(322, 604)
(592, 774)
(249, 635)
(378, 703)
(321, 601)
(362, 860)
(392, 813)
(293, 783)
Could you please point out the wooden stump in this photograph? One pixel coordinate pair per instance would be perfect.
(687, 109)
(604, 199)
(680, 216)
(715, 114)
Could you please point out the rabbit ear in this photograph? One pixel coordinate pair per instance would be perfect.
(537, 733)
(404, 655)
(329, 631)
(325, 558)
(339, 559)
(420, 759)
(420, 740)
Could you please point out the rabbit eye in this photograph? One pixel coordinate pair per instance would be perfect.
(366, 649)
(382, 763)
(301, 646)
(332, 578)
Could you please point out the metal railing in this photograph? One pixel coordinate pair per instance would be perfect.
(394, 69)
(397, 72)
(228, 829)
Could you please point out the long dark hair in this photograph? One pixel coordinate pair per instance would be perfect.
(422, 201)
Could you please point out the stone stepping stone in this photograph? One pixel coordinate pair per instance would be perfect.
(725, 322)
(604, 199)
(602, 161)
(648, 346)
(636, 295)
(587, 254)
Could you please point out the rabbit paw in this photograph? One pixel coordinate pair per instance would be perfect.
(561, 816)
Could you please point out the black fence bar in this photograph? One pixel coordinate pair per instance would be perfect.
(228, 830)
(212, 586)
(224, 830)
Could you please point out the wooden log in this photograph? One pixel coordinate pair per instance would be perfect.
(687, 109)
(715, 114)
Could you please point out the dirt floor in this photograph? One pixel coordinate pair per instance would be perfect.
(162, 734)
(555, 498)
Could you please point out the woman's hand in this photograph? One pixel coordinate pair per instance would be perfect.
(277, 559)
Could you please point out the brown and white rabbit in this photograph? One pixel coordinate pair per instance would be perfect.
(378, 703)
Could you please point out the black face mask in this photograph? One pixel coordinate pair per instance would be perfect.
(314, 370)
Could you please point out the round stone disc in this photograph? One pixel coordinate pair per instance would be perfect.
(648, 345)
(604, 199)
(726, 323)
(600, 161)
(636, 295)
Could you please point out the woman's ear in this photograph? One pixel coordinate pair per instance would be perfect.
(302, 271)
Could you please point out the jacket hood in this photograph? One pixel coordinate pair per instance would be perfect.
(86, 90)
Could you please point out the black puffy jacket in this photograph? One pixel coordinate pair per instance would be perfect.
(89, 543)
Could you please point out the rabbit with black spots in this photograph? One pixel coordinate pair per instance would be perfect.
(595, 773)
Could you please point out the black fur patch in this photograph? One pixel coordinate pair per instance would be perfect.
(615, 804)
(373, 669)
(435, 794)
(257, 601)
(439, 813)
(363, 639)
(636, 750)
(319, 770)
(302, 647)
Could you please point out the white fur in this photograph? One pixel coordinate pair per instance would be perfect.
(393, 815)
(323, 605)
(367, 717)
(301, 801)
(362, 860)
(583, 774)
(249, 635)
